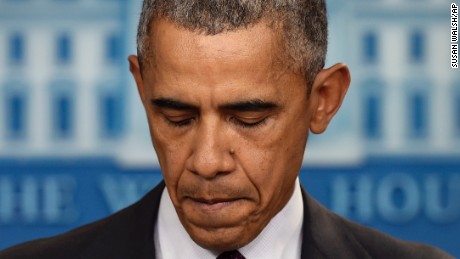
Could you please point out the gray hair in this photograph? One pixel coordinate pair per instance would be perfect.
(303, 23)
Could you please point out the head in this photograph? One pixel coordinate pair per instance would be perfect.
(231, 90)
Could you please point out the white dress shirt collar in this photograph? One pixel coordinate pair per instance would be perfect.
(281, 238)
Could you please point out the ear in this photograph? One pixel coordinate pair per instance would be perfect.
(329, 89)
(136, 72)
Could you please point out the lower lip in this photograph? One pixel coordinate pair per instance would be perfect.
(214, 206)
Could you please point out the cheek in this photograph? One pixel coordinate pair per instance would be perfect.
(273, 165)
(264, 171)
(171, 152)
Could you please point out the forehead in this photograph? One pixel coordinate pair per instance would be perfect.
(212, 69)
(170, 42)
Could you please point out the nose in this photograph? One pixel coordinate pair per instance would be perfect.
(211, 155)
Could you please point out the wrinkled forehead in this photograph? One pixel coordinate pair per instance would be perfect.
(167, 40)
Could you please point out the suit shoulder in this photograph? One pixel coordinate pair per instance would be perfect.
(381, 245)
(107, 231)
(66, 245)
(337, 237)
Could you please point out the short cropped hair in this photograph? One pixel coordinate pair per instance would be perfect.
(303, 23)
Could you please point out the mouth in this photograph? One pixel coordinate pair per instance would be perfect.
(214, 204)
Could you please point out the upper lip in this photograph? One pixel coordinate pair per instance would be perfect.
(213, 200)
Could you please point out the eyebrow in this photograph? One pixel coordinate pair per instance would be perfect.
(168, 103)
(247, 105)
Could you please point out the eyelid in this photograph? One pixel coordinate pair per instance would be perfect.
(252, 115)
(256, 122)
(179, 123)
(177, 118)
(250, 119)
(174, 112)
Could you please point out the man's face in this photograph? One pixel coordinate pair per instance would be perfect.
(229, 124)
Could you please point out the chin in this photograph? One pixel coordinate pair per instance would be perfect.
(221, 239)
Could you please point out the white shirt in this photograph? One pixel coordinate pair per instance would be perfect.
(281, 238)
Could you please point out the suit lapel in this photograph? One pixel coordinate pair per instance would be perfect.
(129, 233)
(326, 235)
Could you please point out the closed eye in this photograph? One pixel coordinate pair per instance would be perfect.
(178, 121)
(174, 112)
(249, 122)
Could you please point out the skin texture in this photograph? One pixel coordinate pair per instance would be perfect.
(229, 124)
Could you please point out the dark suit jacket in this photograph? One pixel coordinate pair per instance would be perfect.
(129, 234)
